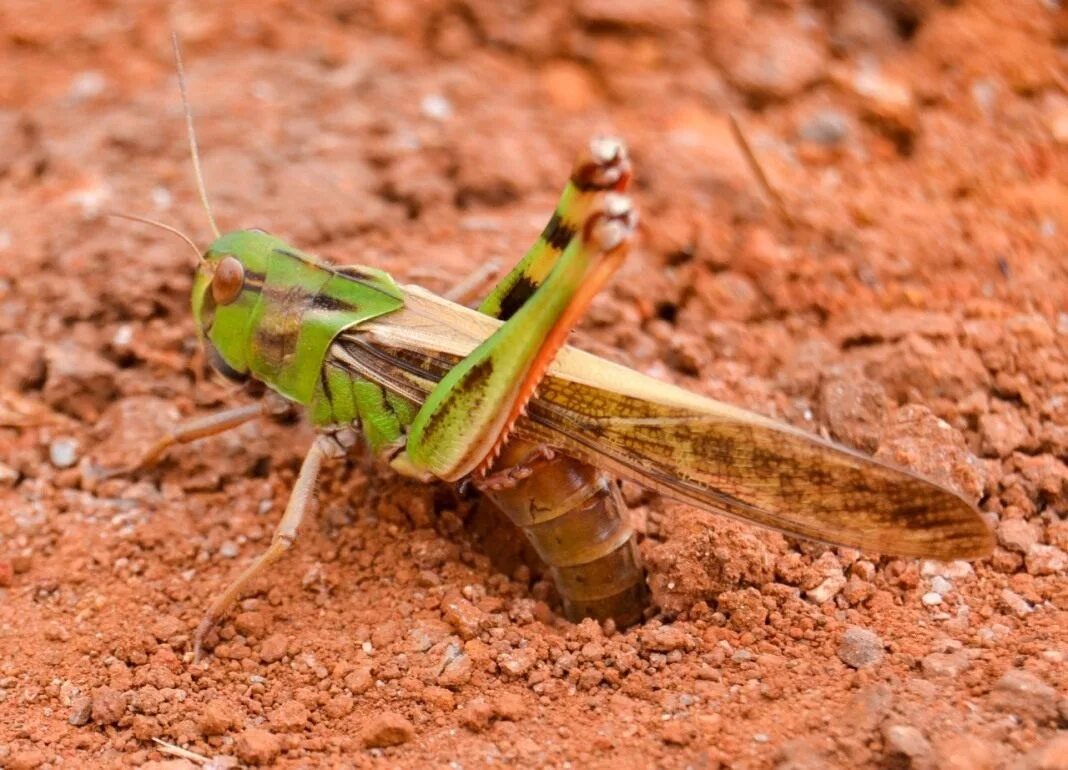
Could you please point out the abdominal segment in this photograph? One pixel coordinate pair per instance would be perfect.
(575, 518)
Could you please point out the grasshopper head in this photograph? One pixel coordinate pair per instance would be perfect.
(226, 293)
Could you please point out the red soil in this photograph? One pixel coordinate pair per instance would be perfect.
(913, 306)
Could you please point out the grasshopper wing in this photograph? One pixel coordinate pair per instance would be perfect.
(694, 449)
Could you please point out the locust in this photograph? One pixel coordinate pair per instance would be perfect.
(494, 398)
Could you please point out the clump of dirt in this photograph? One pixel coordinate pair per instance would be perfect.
(913, 305)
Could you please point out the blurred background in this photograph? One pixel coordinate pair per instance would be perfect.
(908, 298)
(394, 112)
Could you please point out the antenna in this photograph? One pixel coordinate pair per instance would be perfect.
(161, 226)
(192, 135)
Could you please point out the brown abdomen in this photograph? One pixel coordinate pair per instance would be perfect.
(574, 517)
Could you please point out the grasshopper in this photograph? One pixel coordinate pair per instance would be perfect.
(494, 397)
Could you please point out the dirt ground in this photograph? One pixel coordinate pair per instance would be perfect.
(911, 303)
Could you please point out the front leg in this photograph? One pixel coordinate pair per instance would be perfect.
(271, 405)
(190, 430)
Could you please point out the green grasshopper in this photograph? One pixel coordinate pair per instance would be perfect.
(494, 397)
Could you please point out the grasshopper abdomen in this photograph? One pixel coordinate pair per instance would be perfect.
(575, 518)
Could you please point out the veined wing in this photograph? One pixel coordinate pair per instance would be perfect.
(694, 449)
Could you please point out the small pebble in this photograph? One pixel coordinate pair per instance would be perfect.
(1058, 124)
(456, 668)
(436, 106)
(339, 706)
(56, 632)
(8, 475)
(360, 680)
(1045, 560)
(81, 710)
(1052, 755)
(108, 705)
(931, 599)
(945, 664)
(257, 747)
(251, 625)
(776, 61)
(217, 717)
(676, 732)
(887, 102)
(1017, 535)
(476, 715)
(1016, 603)
(828, 128)
(950, 570)
(1022, 693)
(123, 336)
(291, 717)
(860, 648)
(387, 729)
(908, 741)
(63, 452)
(828, 589)
(966, 751)
(87, 84)
(510, 706)
(462, 615)
(273, 648)
(857, 590)
(985, 95)
(518, 662)
(941, 586)
(590, 678)
(26, 760)
(664, 638)
(166, 627)
(592, 651)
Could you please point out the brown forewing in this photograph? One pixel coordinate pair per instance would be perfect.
(694, 449)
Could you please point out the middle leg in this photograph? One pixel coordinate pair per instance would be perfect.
(285, 534)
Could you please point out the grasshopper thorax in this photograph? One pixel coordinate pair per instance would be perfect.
(268, 311)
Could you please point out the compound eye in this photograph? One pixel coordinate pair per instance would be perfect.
(228, 281)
